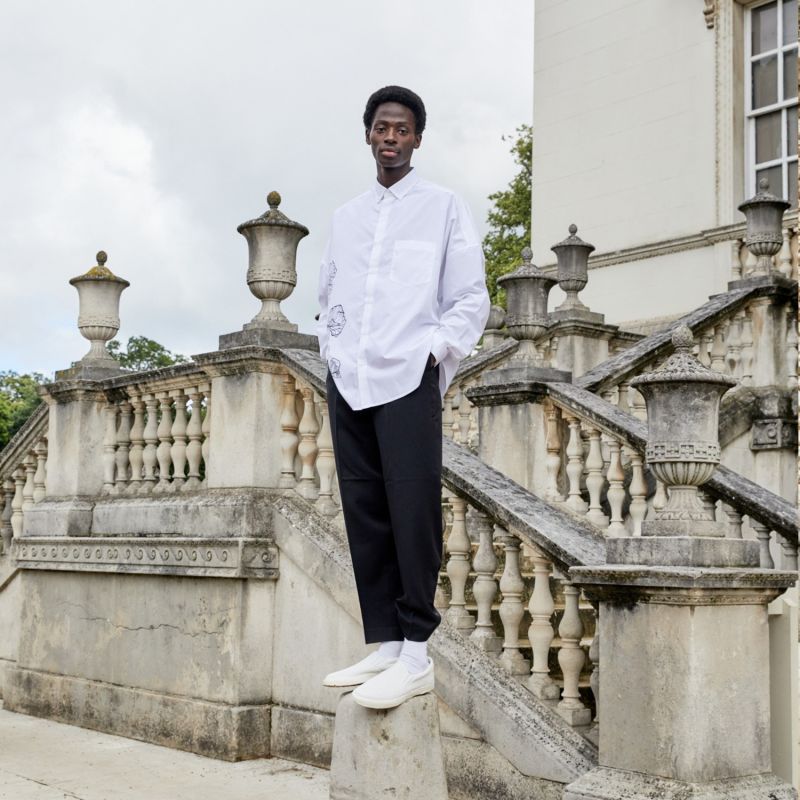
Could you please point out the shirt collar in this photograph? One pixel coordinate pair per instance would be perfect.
(399, 189)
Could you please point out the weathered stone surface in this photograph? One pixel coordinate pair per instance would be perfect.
(217, 730)
(268, 337)
(393, 753)
(301, 735)
(612, 784)
(694, 551)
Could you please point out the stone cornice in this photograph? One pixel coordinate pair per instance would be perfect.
(675, 244)
(154, 555)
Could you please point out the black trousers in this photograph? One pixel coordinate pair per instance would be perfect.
(389, 468)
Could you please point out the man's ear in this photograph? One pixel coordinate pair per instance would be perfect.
(366, 135)
(417, 140)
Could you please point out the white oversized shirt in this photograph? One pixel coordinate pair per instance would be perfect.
(402, 276)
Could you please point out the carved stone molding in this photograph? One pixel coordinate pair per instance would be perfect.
(773, 434)
(156, 555)
(710, 12)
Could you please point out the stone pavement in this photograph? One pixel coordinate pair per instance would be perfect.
(44, 760)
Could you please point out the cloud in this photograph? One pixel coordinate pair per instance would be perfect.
(152, 129)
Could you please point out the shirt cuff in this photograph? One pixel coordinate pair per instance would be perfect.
(439, 349)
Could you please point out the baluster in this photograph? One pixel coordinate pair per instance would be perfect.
(709, 504)
(463, 416)
(511, 609)
(109, 446)
(16, 502)
(750, 262)
(734, 522)
(623, 400)
(594, 479)
(326, 463)
(571, 659)
(289, 437)
(763, 535)
(6, 531)
(459, 549)
(638, 405)
(575, 465)
(736, 260)
(747, 349)
(447, 412)
(718, 349)
(784, 257)
(29, 464)
(179, 436)
(484, 588)
(164, 449)
(473, 434)
(553, 459)
(791, 350)
(594, 657)
(660, 496)
(205, 388)
(194, 430)
(137, 443)
(789, 549)
(39, 478)
(734, 346)
(307, 449)
(616, 488)
(122, 455)
(540, 632)
(705, 340)
(149, 455)
(638, 490)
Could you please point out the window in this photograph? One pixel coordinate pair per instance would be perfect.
(771, 46)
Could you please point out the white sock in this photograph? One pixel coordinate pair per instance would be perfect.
(414, 655)
(390, 649)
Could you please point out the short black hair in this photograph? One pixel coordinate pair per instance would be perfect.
(396, 94)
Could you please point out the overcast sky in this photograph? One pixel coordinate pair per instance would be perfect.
(152, 129)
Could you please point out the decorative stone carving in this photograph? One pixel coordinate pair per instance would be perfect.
(764, 213)
(683, 400)
(773, 434)
(573, 274)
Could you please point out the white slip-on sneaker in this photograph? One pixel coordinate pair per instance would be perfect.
(394, 685)
(356, 674)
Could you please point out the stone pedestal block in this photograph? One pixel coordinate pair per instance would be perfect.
(395, 753)
(582, 340)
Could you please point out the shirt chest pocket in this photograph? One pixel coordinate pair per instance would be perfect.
(413, 262)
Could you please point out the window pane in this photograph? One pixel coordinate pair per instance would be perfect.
(775, 177)
(768, 137)
(790, 74)
(765, 82)
(789, 21)
(793, 183)
(791, 131)
(765, 28)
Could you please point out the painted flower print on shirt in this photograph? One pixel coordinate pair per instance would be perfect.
(331, 273)
(333, 366)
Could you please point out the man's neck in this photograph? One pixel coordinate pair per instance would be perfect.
(389, 177)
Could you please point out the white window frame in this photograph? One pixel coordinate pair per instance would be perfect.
(788, 151)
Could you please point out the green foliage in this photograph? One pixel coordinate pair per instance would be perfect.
(142, 353)
(510, 217)
(19, 398)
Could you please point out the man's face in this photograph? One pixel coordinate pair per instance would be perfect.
(392, 136)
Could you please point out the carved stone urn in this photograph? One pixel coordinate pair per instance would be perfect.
(764, 213)
(272, 241)
(573, 270)
(527, 289)
(683, 399)
(99, 292)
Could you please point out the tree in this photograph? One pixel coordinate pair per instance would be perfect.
(19, 398)
(510, 217)
(142, 354)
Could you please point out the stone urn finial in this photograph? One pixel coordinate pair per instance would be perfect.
(272, 241)
(764, 238)
(527, 289)
(573, 269)
(683, 399)
(99, 293)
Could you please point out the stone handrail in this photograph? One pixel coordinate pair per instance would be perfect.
(747, 498)
(722, 315)
(23, 440)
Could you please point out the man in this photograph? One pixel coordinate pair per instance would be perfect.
(403, 299)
